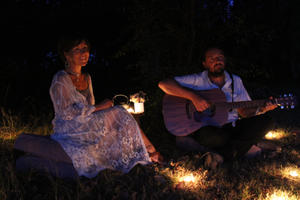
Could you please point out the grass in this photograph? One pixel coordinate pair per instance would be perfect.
(263, 177)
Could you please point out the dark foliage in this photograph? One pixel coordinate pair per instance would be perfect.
(137, 43)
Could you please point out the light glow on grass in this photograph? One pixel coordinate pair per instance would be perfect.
(291, 172)
(294, 173)
(6, 134)
(183, 178)
(275, 135)
(280, 195)
(188, 178)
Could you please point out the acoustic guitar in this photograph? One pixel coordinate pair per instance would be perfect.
(181, 117)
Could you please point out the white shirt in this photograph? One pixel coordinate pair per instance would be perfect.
(200, 81)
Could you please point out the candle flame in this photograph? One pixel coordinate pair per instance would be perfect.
(188, 178)
(273, 135)
(130, 110)
(294, 173)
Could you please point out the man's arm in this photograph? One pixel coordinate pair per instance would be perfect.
(171, 87)
(249, 112)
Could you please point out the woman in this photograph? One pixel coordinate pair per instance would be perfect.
(99, 136)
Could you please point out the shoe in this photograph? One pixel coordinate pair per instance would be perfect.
(269, 146)
(212, 160)
(253, 151)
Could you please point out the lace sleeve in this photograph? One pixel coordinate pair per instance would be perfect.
(68, 103)
(92, 97)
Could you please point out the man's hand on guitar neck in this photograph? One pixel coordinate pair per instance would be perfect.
(268, 107)
(249, 112)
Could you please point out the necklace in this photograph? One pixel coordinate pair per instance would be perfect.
(77, 75)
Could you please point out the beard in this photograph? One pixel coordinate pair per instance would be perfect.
(217, 73)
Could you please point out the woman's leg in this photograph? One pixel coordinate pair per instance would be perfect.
(149, 146)
(153, 154)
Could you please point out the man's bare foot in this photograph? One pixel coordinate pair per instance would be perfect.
(212, 160)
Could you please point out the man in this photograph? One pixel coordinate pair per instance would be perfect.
(236, 137)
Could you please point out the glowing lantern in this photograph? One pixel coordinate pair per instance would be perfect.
(138, 100)
(130, 110)
(138, 107)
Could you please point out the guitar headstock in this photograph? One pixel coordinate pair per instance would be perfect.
(286, 101)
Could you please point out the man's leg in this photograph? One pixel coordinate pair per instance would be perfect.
(248, 132)
(213, 138)
(210, 136)
(188, 143)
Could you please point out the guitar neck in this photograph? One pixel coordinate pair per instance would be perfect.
(246, 104)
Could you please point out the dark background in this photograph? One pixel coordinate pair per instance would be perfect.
(136, 43)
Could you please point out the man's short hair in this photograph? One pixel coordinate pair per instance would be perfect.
(203, 57)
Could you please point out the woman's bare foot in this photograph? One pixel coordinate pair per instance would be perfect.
(156, 157)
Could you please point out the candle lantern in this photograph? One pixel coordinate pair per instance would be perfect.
(134, 105)
(121, 99)
(138, 100)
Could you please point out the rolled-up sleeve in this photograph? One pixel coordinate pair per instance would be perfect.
(241, 93)
(189, 81)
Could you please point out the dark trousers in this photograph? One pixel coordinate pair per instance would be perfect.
(233, 142)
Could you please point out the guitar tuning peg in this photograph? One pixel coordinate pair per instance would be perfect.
(292, 106)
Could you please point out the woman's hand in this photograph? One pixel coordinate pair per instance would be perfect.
(106, 103)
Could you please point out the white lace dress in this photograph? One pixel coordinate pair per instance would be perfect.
(94, 140)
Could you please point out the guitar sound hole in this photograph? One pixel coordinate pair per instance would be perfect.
(206, 114)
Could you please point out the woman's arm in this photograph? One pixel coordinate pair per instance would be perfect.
(106, 103)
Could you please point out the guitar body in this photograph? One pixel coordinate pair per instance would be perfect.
(181, 117)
